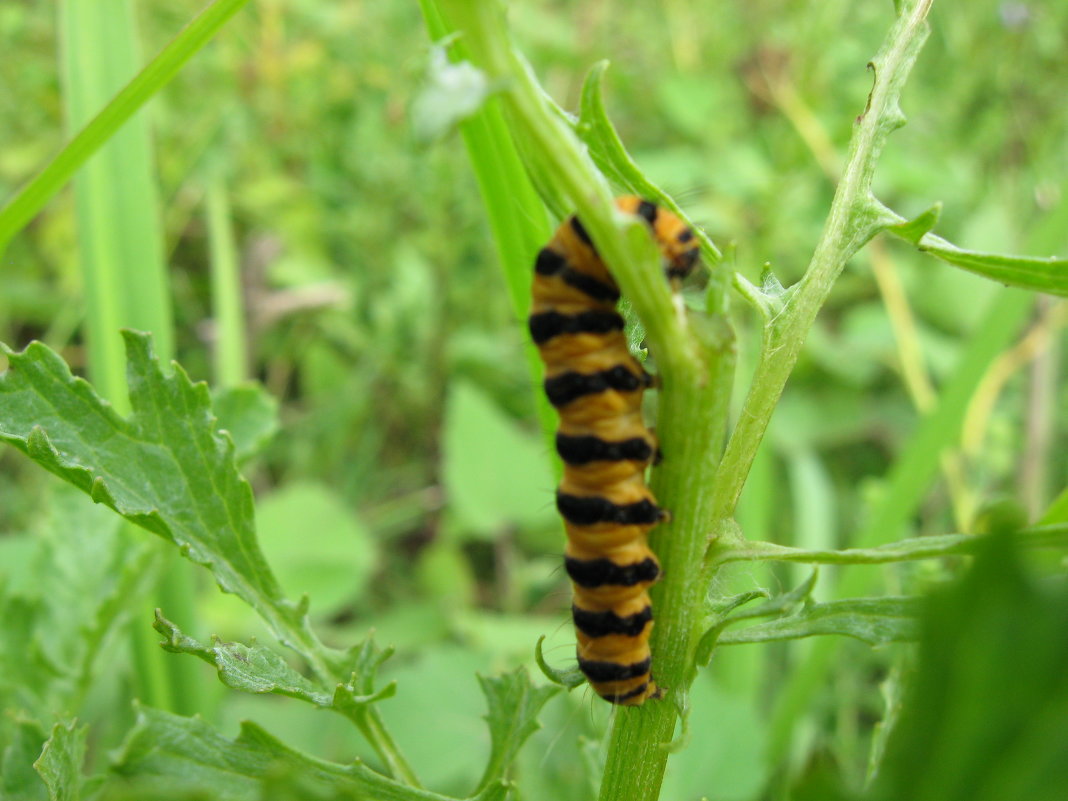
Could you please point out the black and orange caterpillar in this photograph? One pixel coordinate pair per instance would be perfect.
(596, 386)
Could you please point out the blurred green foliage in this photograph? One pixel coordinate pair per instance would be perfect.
(378, 318)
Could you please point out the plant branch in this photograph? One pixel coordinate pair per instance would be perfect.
(854, 218)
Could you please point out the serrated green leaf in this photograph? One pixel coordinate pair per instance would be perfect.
(253, 669)
(1027, 272)
(249, 414)
(259, 670)
(986, 717)
(78, 587)
(514, 704)
(60, 763)
(165, 750)
(167, 468)
(873, 620)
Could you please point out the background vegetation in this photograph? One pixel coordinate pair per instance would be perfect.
(408, 489)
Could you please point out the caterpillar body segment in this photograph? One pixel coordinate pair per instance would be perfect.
(596, 386)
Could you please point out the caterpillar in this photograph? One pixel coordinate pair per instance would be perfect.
(596, 386)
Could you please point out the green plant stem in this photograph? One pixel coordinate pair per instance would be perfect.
(331, 669)
(854, 218)
(691, 431)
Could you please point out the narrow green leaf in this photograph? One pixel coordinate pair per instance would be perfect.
(167, 468)
(567, 677)
(1027, 272)
(611, 157)
(514, 704)
(230, 345)
(60, 763)
(914, 230)
(875, 621)
(1049, 536)
(22, 207)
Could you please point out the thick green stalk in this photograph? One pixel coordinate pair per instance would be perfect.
(693, 409)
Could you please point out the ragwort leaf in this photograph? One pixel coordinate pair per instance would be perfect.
(514, 704)
(60, 763)
(164, 750)
(873, 620)
(166, 468)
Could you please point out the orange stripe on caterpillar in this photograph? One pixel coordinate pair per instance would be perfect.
(596, 386)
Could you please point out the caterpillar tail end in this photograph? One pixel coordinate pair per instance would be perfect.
(646, 691)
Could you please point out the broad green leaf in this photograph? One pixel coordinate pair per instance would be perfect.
(334, 566)
(495, 473)
(249, 414)
(874, 620)
(986, 716)
(514, 704)
(164, 750)
(166, 468)
(60, 763)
